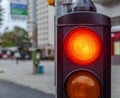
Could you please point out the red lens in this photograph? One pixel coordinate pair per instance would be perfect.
(82, 46)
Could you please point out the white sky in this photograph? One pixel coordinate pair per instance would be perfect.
(7, 22)
(74, 0)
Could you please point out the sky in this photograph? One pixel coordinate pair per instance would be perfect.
(7, 22)
(74, 0)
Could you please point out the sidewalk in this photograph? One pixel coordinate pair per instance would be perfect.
(22, 74)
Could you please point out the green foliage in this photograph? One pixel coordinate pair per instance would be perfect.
(14, 37)
(7, 39)
(1, 14)
(1, 71)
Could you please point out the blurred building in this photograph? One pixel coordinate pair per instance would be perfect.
(112, 9)
(41, 26)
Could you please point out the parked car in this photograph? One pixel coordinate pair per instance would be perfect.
(0, 55)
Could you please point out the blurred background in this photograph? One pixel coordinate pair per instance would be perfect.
(26, 24)
(29, 24)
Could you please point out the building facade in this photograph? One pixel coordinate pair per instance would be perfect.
(41, 26)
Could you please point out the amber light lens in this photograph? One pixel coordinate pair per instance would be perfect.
(82, 46)
(83, 85)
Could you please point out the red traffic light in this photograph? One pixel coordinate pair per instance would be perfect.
(83, 84)
(82, 46)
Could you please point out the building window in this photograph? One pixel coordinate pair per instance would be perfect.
(117, 48)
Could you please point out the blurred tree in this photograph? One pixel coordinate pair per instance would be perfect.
(0, 39)
(7, 39)
(15, 37)
(21, 35)
(1, 14)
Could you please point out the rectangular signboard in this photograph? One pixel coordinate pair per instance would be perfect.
(18, 9)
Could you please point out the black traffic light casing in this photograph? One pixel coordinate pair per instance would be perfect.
(83, 16)
(101, 68)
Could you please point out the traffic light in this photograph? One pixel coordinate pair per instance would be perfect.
(51, 2)
(83, 50)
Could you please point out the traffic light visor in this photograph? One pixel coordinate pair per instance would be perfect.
(83, 85)
(82, 46)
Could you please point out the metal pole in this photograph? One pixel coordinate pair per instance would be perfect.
(62, 7)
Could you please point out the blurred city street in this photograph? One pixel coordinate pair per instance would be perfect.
(34, 33)
(22, 74)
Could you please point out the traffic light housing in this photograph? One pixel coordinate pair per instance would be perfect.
(83, 57)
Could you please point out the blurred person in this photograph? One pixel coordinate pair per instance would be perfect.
(17, 56)
(36, 60)
(26, 56)
(8, 54)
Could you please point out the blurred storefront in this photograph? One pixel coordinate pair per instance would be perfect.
(115, 41)
(47, 52)
(115, 45)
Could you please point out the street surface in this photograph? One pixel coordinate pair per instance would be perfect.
(22, 74)
(10, 90)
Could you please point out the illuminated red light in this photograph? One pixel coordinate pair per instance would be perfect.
(82, 46)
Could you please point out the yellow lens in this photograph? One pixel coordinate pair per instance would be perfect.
(83, 84)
